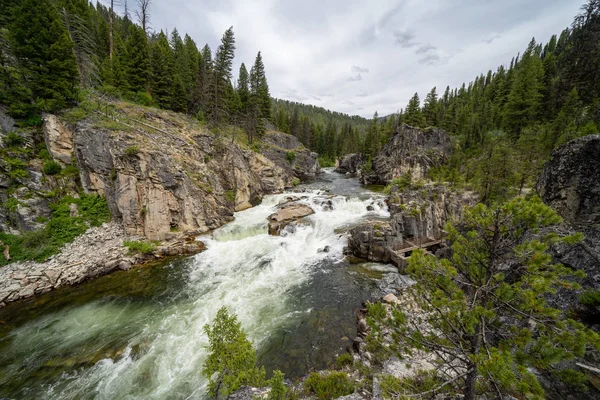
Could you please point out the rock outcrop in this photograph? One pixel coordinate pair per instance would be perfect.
(417, 220)
(570, 182)
(411, 150)
(178, 177)
(350, 164)
(59, 139)
(287, 214)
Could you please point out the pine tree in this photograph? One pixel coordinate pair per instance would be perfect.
(243, 88)
(489, 324)
(44, 52)
(524, 99)
(259, 87)
(137, 60)
(162, 75)
(430, 108)
(413, 115)
(218, 104)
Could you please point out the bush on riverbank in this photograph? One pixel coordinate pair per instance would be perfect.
(329, 385)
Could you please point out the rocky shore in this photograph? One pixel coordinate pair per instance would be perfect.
(97, 252)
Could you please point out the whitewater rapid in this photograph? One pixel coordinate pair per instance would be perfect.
(255, 275)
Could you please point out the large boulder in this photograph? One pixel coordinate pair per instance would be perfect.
(372, 241)
(570, 182)
(411, 149)
(350, 164)
(286, 215)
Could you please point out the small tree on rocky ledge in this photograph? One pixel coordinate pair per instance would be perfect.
(231, 362)
(484, 312)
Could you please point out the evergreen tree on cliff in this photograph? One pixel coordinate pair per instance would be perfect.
(413, 115)
(219, 94)
(243, 88)
(259, 88)
(137, 61)
(44, 52)
(161, 84)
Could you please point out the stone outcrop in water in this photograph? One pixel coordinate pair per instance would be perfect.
(411, 150)
(350, 164)
(417, 220)
(286, 215)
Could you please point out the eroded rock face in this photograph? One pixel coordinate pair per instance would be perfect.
(350, 164)
(410, 149)
(570, 182)
(286, 215)
(417, 220)
(157, 183)
(289, 154)
(59, 139)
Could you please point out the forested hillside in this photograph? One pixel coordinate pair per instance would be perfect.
(52, 49)
(506, 122)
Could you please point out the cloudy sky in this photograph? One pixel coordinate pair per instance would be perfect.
(361, 56)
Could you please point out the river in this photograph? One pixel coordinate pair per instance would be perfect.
(138, 334)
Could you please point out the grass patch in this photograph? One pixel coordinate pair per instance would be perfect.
(344, 360)
(290, 156)
(62, 228)
(295, 182)
(329, 386)
(230, 195)
(131, 151)
(140, 246)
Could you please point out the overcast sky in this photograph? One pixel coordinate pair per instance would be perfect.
(361, 56)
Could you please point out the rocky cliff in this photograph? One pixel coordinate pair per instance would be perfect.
(417, 220)
(410, 149)
(570, 183)
(350, 164)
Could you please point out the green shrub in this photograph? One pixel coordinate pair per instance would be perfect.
(51, 167)
(403, 182)
(75, 115)
(131, 151)
(591, 298)
(278, 389)
(110, 91)
(17, 168)
(70, 170)
(344, 360)
(13, 139)
(12, 204)
(144, 98)
(44, 154)
(329, 386)
(34, 120)
(140, 246)
(231, 362)
(290, 156)
(295, 182)
(326, 162)
(230, 195)
(422, 381)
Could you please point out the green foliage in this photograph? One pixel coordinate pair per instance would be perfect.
(61, 228)
(231, 362)
(467, 298)
(140, 246)
(295, 182)
(329, 385)
(344, 360)
(326, 162)
(12, 204)
(131, 151)
(403, 182)
(17, 168)
(591, 298)
(52, 167)
(13, 139)
(278, 390)
(290, 156)
(421, 382)
(230, 195)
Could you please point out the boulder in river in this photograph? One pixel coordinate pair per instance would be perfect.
(350, 164)
(286, 215)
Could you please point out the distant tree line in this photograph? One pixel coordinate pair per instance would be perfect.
(50, 49)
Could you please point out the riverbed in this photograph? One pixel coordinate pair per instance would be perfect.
(138, 334)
